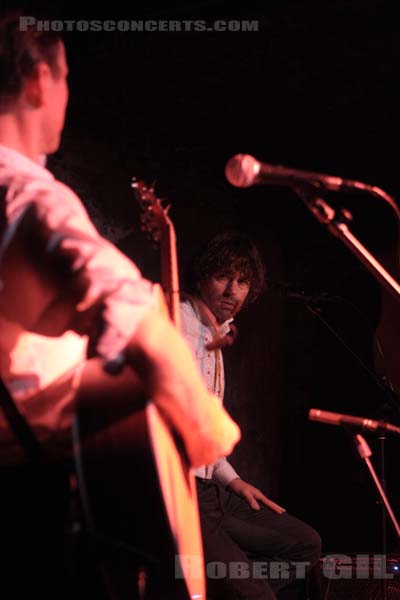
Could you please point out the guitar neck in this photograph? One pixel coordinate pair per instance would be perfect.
(155, 220)
(169, 273)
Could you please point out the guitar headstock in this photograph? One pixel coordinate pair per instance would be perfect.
(154, 216)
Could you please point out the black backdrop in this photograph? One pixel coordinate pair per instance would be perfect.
(315, 88)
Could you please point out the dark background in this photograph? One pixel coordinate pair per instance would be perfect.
(315, 88)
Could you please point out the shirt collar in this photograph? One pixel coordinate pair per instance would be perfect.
(206, 317)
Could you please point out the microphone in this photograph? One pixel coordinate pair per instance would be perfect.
(243, 170)
(338, 419)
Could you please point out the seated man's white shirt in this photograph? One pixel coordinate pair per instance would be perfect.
(198, 334)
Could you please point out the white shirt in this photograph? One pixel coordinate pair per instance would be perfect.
(198, 333)
(29, 363)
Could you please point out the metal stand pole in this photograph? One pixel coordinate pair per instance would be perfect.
(365, 452)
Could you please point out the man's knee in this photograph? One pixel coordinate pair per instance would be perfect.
(304, 545)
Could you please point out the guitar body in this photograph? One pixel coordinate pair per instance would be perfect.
(138, 492)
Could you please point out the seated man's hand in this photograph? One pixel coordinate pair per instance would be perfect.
(252, 495)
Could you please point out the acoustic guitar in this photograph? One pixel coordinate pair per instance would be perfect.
(137, 488)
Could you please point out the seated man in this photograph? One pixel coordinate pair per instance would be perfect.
(104, 308)
(239, 523)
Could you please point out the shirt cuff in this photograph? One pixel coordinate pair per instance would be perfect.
(223, 472)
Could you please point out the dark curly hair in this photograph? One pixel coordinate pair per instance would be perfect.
(21, 48)
(228, 251)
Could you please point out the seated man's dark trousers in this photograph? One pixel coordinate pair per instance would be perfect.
(251, 554)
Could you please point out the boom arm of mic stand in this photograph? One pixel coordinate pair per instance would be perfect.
(337, 225)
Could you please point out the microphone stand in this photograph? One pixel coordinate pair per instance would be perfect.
(310, 303)
(365, 453)
(337, 224)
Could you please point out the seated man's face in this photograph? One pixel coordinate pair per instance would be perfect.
(224, 293)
